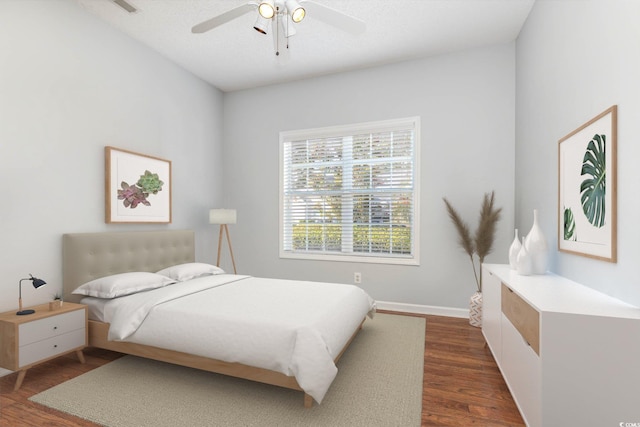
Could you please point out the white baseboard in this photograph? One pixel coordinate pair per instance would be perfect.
(423, 309)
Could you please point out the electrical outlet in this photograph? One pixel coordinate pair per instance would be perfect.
(357, 278)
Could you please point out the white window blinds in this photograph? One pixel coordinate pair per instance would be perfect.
(350, 191)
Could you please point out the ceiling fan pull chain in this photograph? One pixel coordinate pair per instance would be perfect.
(277, 31)
(286, 30)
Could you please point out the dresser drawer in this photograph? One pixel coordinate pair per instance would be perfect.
(524, 318)
(522, 370)
(44, 349)
(51, 326)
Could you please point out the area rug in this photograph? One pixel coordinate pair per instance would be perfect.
(379, 383)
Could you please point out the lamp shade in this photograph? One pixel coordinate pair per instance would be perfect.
(288, 28)
(266, 9)
(261, 25)
(222, 216)
(296, 11)
(38, 282)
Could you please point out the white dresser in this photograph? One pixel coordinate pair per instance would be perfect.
(569, 354)
(34, 338)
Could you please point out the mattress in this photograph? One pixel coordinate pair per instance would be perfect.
(96, 307)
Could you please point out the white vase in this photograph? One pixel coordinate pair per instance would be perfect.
(475, 310)
(513, 250)
(524, 265)
(537, 247)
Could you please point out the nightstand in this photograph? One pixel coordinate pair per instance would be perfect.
(28, 340)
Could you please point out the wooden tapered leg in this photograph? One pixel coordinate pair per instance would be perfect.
(308, 401)
(219, 244)
(21, 375)
(80, 355)
(233, 261)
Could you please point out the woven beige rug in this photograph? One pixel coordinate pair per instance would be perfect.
(379, 383)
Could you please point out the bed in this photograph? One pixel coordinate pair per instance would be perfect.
(280, 332)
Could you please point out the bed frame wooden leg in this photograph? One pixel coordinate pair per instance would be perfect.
(308, 401)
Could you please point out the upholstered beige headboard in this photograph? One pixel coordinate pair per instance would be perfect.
(87, 256)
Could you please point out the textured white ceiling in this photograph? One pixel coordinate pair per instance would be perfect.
(234, 56)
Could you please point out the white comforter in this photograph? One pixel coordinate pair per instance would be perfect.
(296, 328)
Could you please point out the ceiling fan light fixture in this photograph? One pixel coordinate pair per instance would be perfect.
(296, 11)
(288, 29)
(266, 9)
(261, 24)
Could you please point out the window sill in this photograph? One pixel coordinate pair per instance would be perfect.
(396, 260)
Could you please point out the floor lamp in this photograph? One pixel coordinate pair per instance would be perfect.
(224, 217)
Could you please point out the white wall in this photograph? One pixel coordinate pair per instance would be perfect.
(69, 85)
(574, 60)
(466, 102)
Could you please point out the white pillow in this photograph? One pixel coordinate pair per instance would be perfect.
(190, 270)
(119, 285)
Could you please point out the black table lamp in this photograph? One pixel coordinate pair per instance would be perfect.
(36, 284)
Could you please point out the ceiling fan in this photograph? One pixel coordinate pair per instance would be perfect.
(284, 15)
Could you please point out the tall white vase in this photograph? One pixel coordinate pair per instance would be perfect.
(513, 251)
(537, 247)
(524, 264)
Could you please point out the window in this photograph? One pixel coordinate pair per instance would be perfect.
(350, 193)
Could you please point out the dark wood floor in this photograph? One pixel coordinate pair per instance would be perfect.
(462, 384)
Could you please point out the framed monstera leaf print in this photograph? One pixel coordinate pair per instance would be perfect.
(587, 188)
(137, 187)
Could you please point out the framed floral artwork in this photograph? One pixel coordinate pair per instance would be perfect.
(137, 187)
(587, 188)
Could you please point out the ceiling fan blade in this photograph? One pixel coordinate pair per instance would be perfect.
(126, 6)
(334, 17)
(223, 18)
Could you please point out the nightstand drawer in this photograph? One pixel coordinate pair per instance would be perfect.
(51, 326)
(53, 346)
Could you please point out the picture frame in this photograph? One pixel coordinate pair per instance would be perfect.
(137, 187)
(587, 188)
